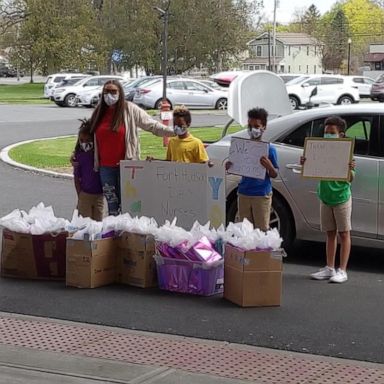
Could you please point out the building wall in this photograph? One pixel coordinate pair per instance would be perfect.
(302, 59)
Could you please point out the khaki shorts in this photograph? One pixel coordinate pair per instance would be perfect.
(337, 217)
(257, 209)
(90, 205)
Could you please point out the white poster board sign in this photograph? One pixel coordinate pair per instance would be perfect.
(327, 159)
(164, 190)
(245, 157)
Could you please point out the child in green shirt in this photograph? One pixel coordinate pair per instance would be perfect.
(335, 212)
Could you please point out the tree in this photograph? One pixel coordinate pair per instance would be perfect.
(12, 12)
(310, 20)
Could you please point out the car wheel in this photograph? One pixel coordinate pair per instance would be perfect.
(221, 104)
(294, 102)
(345, 100)
(281, 218)
(158, 103)
(70, 100)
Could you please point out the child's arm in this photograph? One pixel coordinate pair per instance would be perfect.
(352, 166)
(77, 185)
(267, 164)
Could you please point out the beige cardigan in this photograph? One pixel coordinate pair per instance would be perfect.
(135, 118)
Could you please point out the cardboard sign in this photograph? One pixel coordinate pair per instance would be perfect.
(327, 159)
(165, 190)
(245, 157)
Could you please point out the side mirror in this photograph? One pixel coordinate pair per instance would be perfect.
(314, 92)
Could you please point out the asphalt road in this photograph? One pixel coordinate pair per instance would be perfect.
(315, 317)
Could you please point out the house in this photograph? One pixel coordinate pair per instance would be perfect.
(374, 61)
(295, 53)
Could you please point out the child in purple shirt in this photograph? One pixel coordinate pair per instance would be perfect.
(87, 181)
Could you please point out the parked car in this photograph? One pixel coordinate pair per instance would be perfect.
(130, 88)
(7, 71)
(67, 96)
(295, 204)
(362, 83)
(55, 79)
(331, 89)
(377, 90)
(213, 85)
(184, 91)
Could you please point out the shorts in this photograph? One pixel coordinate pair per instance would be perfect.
(91, 205)
(257, 209)
(336, 217)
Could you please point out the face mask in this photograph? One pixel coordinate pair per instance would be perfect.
(110, 99)
(179, 131)
(254, 133)
(331, 136)
(86, 146)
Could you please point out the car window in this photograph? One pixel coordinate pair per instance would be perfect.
(369, 81)
(58, 79)
(380, 79)
(192, 86)
(49, 78)
(358, 80)
(360, 128)
(331, 80)
(91, 83)
(314, 81)
(176, 85)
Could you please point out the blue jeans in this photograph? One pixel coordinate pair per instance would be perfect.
(110, 181)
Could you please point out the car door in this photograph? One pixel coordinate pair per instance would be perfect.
(366, 90)
(307, 87)
(365, 187)
(329, 89)
(198, 95)
(380, 154)
(176, 92)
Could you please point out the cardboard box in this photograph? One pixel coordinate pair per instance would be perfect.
(136, 265)
(91, 263)
(253, 278)
(29, 256)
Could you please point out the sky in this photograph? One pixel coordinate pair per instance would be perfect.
(287, 8)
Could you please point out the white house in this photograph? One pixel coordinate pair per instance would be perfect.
(295, 53)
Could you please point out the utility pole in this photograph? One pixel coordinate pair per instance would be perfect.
(274, 35)
(269, 50)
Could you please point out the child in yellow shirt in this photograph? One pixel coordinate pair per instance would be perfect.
(185, 148)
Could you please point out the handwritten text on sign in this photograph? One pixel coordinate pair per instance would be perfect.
(164, 190)
(245, 157)
(327, 159)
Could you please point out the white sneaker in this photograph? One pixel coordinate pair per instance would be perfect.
(340, 277)
(324, 273)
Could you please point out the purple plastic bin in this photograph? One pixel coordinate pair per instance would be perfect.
(195, 278)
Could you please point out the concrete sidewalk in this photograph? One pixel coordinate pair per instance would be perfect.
(36, 350)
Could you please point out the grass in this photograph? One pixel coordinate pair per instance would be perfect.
(55, 154)
(22, 94)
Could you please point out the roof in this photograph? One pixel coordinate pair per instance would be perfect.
(374, 57)
(290, 38)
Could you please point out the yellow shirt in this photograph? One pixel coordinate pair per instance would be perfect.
(188, 150)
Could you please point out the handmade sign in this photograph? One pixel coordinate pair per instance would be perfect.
(327, 159)
(245, 157)
(164, 190)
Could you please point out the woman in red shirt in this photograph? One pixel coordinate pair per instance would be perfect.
(115, 123)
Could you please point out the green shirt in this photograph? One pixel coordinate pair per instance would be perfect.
(332, 192)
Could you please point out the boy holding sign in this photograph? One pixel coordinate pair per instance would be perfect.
(255, 195)
(335, 212)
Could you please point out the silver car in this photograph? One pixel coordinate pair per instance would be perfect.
(188, 92)
(295, 203)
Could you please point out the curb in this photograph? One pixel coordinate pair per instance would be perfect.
(4, 156)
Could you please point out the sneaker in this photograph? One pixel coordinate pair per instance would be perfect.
(340, 277)
(324, 273)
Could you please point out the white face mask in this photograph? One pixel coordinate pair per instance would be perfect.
(179, 131)
(254, 133)
(86, 147)
(110, 99)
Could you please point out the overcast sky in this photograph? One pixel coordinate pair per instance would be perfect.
(287, 8)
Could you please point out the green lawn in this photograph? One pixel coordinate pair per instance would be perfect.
(22, 94)
(55, 154)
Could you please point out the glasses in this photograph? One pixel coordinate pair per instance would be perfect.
(111, 92)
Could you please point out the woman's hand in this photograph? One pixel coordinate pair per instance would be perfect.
(228, 165)
(302, 160)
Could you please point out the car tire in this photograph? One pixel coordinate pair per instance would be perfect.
(345, 100)
(295, 102)
(70, 100)
(158, 103)
(281, 218)
(221, 104)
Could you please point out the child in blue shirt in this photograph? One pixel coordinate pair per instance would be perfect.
(255, 195)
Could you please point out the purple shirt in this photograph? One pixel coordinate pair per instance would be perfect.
(89, 179)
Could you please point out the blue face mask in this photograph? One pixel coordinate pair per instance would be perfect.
(331, 135)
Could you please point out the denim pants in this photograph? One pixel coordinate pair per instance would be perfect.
(110, 181)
